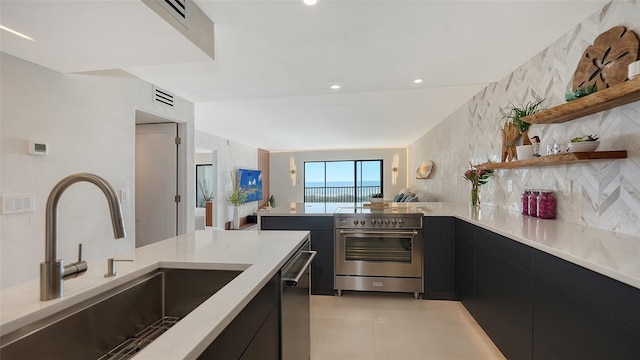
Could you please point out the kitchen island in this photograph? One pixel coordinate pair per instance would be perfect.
(259, 255)
(541, 289)
(609, 253)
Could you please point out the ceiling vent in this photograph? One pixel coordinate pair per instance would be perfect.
(177, 8)
(162, 97)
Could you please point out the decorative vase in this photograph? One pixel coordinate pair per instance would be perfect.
(475, 195)
(208, 213)
(236, 217)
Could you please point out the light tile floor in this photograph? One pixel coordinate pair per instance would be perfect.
(362, 325)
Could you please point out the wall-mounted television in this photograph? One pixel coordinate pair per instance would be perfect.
(251, 182)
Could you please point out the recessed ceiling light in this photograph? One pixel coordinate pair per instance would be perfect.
(417, 81)
(16, 33)
(310, 2)
(335, 87)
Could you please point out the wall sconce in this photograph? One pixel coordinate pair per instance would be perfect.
(394, 170)
(292, 170)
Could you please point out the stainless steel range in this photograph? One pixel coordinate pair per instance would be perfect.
(378, 250)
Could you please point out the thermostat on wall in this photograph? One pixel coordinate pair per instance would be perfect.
(38, 148)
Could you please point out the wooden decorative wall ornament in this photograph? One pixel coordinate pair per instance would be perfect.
(606, 62)
(510, 134)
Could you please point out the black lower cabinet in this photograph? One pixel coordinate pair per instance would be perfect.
(503, 302)
(255, 332)
(542, 351)
(534, 305)
(265, 344)
(321, 234)
(465, 264)
(576, 331)
(509, 334)
(581, 314)
(438, 233)
(322, 271)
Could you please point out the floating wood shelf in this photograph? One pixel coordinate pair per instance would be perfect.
(568, 158)
(617, 95)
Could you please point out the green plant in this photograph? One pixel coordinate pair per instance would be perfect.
(515, 114)
(237, 197)
(585, 138)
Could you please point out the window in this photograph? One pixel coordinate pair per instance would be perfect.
(351, 181)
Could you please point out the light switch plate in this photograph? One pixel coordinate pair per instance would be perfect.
(16, 204)
(510, 185)
(567, 188)
(124, 196)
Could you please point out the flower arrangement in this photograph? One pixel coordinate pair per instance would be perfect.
(237, 196)
(477, 177)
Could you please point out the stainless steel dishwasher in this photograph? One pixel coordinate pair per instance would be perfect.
(295, 314)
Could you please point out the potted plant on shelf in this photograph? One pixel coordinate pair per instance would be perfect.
(515, 128)
(236, 198)
(584, 143)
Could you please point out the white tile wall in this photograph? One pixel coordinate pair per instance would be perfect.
(605, 194)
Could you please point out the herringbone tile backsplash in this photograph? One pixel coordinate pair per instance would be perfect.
(605, 194)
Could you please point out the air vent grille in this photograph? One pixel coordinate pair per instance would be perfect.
(163, 97)
(177, 8)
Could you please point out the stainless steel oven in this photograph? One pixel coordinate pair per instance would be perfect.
(379, 250)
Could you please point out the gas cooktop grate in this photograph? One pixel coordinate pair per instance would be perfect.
(133, 345)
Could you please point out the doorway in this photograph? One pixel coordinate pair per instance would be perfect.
(206, 182)
(156, 190)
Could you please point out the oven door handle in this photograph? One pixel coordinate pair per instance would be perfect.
(377, 232)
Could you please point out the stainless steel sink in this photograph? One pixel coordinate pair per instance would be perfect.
(118, 323)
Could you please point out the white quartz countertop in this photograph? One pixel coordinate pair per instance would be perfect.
(260, 254)
(609, 253)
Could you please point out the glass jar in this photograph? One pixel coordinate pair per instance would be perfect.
(546, 207)
(532, 205)
(525, 201)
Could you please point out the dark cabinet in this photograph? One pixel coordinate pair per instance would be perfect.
(465, 264)
(321, 230)
(438, 233)
(255, 332)
(536, 305)
(581, 314)
(504, 293)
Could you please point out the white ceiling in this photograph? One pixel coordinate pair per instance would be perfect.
(275, 60)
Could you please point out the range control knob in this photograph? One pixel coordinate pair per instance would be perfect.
(355, 222)
(400, 222)
(394, 222)
(362, 222)
(386, 222)
(380, 222)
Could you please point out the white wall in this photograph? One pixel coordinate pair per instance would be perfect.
(284, 192)
(232, 156)
(89, 123)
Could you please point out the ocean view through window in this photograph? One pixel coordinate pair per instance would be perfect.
(350, 181)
